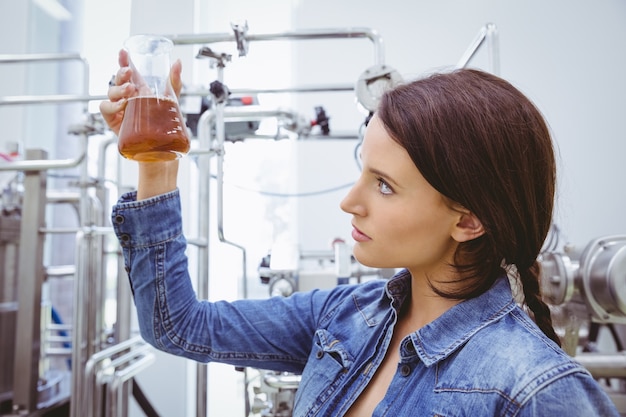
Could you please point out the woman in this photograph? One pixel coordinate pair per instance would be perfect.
(457, 188)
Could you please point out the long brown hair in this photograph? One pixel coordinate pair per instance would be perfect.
(482, 144)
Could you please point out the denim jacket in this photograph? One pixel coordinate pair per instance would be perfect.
(483, 357)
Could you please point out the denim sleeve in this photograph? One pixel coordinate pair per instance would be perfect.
(171, 318)
(572, 395)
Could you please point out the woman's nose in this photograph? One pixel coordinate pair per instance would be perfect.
(350, 203)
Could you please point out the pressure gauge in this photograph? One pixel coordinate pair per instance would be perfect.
(373, 83)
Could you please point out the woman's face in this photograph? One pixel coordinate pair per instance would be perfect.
(399, 220)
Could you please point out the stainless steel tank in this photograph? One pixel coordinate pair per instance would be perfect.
(9, 245)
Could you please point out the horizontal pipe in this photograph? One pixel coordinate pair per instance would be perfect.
(46, 164)
(10, 306)
(49, 99)
(110, 352)
(282, 381)
(41, 164)
(45, 57)
(92, 369)
(90, 231)
(311, 34)
(327, 88)
(60, 271)
(58, 352)
(23, 58)
(602, 365)
(73, 98)
(55, 327)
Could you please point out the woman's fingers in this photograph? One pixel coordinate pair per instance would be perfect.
(122, 77)
(122, 90)
(113, 113)
(122, 58)
(175, 77)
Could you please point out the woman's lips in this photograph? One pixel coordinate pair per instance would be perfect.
(359, 236)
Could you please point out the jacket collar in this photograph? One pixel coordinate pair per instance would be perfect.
(440, 338)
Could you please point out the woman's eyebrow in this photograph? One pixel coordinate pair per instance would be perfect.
(387, 177)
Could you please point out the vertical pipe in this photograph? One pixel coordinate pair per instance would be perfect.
(204, 182)
(30, 280)
(88, 282)
(79, 323)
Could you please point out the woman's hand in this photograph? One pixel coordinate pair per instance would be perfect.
(154, 177)
(121, 88)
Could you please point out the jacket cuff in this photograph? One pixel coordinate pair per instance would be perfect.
(147, 222)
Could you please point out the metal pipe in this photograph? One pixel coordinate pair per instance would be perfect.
(206, 150)
(73, 98)
(62, 197)
(219, 114)
(87, 300)
(30, 278)
(204, 131)
(220, 134)
(493, 48)
(124, 296)
(98, 230)
(57, 271)
(55, 327)
(78, 350)
(49, 99)
(286, 381)
(489, 33)
(191, 39)
(604, 365)
(25, 58)
(45, 164)
(41, 165)
(86, 404)
(50, 57)
(120, 377)
(102, 152)
(293, 121)
(310, 34)
(203, 161)
(104, 375)
(298, 89)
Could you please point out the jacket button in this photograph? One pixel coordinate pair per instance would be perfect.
(319, 354)
(125, 238)
(119, 219)
(405, 370)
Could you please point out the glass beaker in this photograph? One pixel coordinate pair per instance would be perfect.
(153, 128)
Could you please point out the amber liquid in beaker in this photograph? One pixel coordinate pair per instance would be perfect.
(153, 129)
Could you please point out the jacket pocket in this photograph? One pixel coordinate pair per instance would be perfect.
(328, 349)
(324, 372)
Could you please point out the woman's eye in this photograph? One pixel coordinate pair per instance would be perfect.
(383, 187)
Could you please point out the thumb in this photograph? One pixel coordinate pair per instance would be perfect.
(175, 76)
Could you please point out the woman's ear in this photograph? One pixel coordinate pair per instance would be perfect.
(467, 228)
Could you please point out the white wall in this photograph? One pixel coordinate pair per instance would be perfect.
(12, 80)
